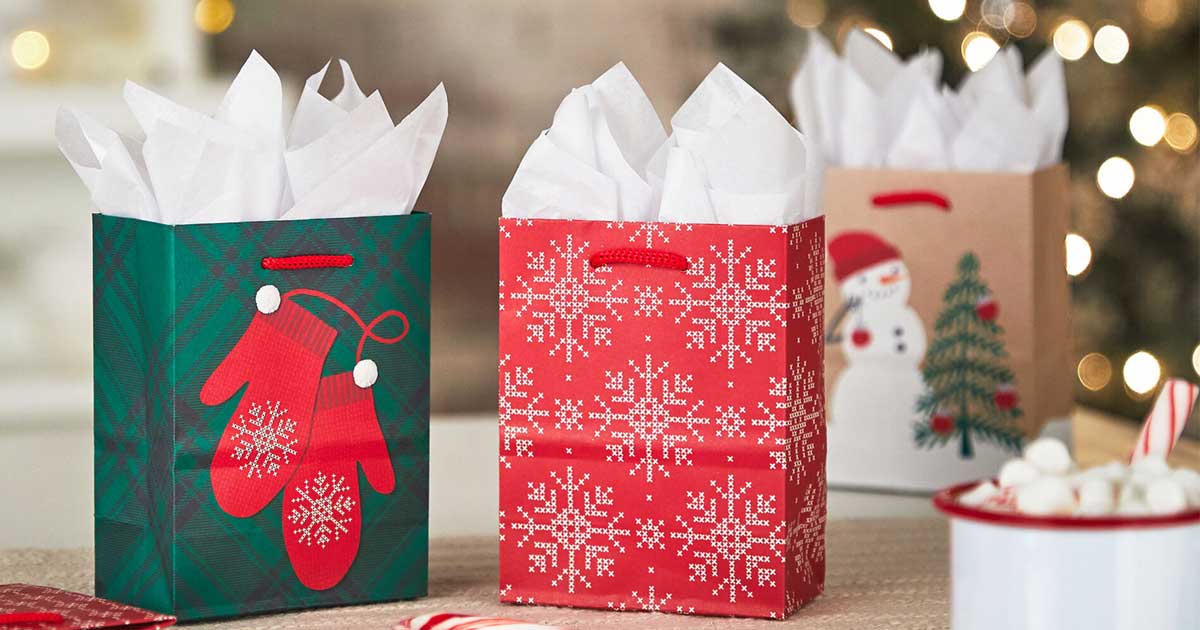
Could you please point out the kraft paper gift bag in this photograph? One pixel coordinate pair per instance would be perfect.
(261, 359)
(661, 405)
(948, 321)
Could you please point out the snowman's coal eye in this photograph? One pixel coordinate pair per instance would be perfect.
(896, 269)
(862, 280)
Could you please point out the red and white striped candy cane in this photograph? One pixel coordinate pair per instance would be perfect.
(453, 621)
(1164, 423)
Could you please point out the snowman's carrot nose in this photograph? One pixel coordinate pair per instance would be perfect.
(890, 278)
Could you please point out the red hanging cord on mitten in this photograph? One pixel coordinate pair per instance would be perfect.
(322, 509)
(279, 359)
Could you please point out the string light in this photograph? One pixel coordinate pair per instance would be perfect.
(1079, 254)
(1180, 132)
(879, 35)
(806, 13)
(214, 16)
(1020, 19)
(1147, 125)
(1111, 43)
(978, 48)
(948, 10)
(1115, 177)
(1072, 39)
(30, 50)
(1141, 372)
(1094, 371)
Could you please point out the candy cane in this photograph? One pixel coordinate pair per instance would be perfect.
(1164, 423)
(452, 621)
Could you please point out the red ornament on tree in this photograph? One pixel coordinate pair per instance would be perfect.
(1005, 397)
(942, 423)
(860, 337)
(987, 309)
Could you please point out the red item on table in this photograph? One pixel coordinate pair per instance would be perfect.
(29, 607)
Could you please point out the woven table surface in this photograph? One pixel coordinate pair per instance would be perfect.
(882, 573)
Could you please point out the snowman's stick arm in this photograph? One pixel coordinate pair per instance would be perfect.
(832, 334)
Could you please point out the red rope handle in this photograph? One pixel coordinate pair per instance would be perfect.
(30, 617)
(909, 197)
(307, 261)
(650, 257)
(368, 333)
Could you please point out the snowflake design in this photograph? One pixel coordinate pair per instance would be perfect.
(650, 533)
(321, 510)
(805, 413)
(650, 415)
(648, 232)
(266, 437)
(806, 532)
(731, 538)
(571, 529)
(775, 422)
(808, 298)
(648, 301)
(571, 302)
(736, 304)
(519, 412)
(651, 602)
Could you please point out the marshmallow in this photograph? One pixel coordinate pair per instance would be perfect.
(979, 495)
(1049, 456)
(1190, 480)
(1017, 472)
(1046, 496)
(1165, 496)
(1150, 466)
(1096, 497)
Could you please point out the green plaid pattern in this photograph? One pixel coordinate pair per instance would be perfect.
(170, 302)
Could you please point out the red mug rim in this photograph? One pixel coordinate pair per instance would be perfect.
(946, 501)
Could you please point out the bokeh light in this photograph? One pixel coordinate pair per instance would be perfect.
(30, 50)
(806, 13)
(1196, 360)
(1020, 19)
(880, 36)
(1072, 39)
(1079, 254)
(978, 48)
(948, 10)
(1115, 177)
(1094, 371)
(1148, 124)
(1159, 12)
(214, 16)
(992, 12)
(1180, 132)
(1111, 43)
(1141, 372)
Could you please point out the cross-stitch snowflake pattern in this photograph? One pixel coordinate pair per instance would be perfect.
(266, 438)
(696, 425)
(322, 510)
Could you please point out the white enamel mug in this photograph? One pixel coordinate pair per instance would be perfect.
(1017, 572)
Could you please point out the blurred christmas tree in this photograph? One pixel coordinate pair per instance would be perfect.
(1133, 84)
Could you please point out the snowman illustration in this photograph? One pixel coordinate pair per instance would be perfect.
(873, 402)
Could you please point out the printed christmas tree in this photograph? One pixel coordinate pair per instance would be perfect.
(969, 392)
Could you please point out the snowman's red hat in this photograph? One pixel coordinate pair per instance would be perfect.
(854, 251)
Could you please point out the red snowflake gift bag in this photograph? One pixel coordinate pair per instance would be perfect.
(661, 416)
(661, 409)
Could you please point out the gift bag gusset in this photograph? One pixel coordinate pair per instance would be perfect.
(261, 413)
(948, 327)
(661, 416)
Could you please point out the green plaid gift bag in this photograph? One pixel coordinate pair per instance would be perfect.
(261, 413)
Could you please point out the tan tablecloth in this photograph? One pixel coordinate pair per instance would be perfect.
(881, 574)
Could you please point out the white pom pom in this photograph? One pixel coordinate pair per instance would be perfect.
(1017, 472)
(366, 373)
(979, 495)
(267, 299)
(1165, 496)
(1190, 480)
(1049, 456)
(1096, 497)
(1045, 496)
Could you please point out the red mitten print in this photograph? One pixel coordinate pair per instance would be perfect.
(322, 514)
(280, 356)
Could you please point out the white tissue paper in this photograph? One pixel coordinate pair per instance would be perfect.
(731, 158)
(339, 158)
(868, 108)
